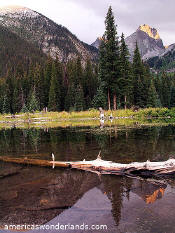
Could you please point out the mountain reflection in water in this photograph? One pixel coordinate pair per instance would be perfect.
(38, 195)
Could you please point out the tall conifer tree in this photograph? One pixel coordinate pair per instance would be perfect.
(54, 92)
(138, 74)
(153, 100)
(110, 51)
(125, 83)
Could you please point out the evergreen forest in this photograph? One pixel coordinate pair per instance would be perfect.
(35, 82)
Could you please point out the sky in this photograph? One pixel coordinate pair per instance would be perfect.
(85, 18)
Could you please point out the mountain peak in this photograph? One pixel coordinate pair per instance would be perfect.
(17, 11)
(53, 39)
(152, 32)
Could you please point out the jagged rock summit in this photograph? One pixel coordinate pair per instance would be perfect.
(97, 43)
(53, 39)
(149, 42)
(152, 32)
(148, 39)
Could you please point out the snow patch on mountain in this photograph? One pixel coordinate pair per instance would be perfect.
(52, 38)
(17, 12)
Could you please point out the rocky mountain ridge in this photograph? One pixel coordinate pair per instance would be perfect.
(149, 42)
(53, 39)
(152, 32)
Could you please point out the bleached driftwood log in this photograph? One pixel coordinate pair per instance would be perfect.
(145, 169)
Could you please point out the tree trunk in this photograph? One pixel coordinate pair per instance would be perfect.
(143, 169)
(125, 102)
(109, 101)
(115, 102)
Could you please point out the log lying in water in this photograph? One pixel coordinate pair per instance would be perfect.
(145, 169)
(38, 162)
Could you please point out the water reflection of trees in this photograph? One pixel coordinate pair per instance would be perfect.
(37, 195)
(140, 144)
(154, 143)
(115, 189)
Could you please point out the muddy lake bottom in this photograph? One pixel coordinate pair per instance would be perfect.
(37, 195)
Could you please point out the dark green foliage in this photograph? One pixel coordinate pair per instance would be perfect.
(89, 84)
(172, 102)
(61, 83)
(125, 81)
(153, 99)
(33, 104)
(166, 91)
(24, 108)
(109, 59)
(5, 104)
(79, 99)
(54, 92)
(16, 104)
(47, 78)
(70, 98)
(141, 80)
(100, 99)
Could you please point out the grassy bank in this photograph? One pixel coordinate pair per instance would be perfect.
(91, 114)
(85, 118)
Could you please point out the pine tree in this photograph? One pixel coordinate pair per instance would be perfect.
(153, 100)
(78, 75)
(172, 102)
(16, 101)
(33, 104)
(100, 99)
(62, 82)
(110, 59)
(89, 84)
(70, 98)
(24, 108)
(47, 79)
(5, 104)
(158, 85)
(138, 76)
(125, 81)
(79, 98)
(166, 91)
(10, 86)
(54, 92)
(38, 82)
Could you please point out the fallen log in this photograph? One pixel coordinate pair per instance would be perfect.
(99, 166)
(38, 162)
(144, 169)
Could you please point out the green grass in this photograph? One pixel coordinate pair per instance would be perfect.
(85, 117)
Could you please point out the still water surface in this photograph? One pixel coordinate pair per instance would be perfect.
(34, 195)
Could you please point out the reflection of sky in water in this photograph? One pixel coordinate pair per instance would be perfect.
(123, 204)
(69, 196)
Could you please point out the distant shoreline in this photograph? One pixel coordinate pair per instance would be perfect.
(86, 118)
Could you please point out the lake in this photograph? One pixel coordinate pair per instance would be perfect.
(36, 195)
